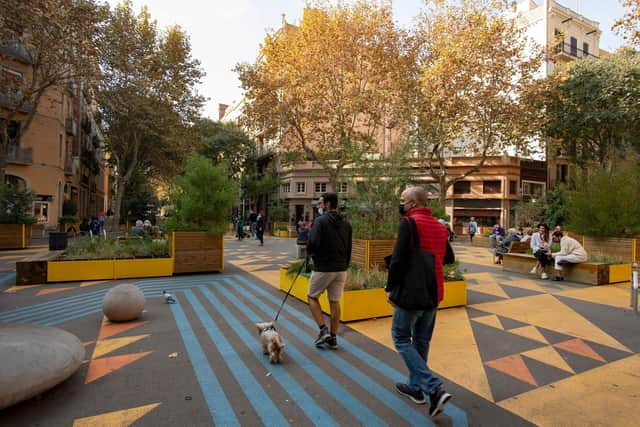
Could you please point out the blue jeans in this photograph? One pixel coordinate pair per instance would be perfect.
(411, 332)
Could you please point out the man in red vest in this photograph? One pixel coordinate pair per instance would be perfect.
(411, 330)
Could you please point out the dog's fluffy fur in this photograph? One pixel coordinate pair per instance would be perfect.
(271, 341)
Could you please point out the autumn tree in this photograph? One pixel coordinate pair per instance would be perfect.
(146, 96)
(54, 42)
(629, 25)
(473, 67)
(326, 88)
(592, 110)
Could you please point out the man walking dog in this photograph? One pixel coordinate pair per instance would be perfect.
(330, 247)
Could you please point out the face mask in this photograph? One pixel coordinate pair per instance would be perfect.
(403, 210)
(320, 211)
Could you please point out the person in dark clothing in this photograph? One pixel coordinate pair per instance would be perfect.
(330, 247)
(94, 227)
(260, 224)
(411, 330)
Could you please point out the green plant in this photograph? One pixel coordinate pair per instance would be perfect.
(87, 248)
(530, 214)
(605, 259)
(453, 272)
(358, 278)
(296, 266)
(202, 197)
(15, 205)
(69, 208)
(437, 210)
(67, 219)
(556, 212)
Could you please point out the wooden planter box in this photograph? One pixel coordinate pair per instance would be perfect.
(15, 236)
(367, 303)
(108, 269)
(197, 251)
(369, 253)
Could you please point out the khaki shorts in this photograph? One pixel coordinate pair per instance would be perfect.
(332, 281)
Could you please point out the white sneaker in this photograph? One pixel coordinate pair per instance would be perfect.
(544, 276)
(533, 270)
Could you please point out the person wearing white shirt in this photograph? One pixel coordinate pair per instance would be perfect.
(540, 247)
(571, 251)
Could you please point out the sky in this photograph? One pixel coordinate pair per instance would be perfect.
(226, 32)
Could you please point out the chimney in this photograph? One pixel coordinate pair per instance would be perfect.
(222, 109)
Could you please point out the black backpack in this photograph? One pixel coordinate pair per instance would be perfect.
(419, 288)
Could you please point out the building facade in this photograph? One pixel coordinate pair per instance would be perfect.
(61, 155)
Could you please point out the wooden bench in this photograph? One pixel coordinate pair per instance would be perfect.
(514, 248)
(33, 269)
(590, 273)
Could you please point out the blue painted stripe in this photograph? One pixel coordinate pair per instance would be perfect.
(457, 415)
(219, 406)
(261, 402)
(7, 277)
(306, 403)
(345, 398)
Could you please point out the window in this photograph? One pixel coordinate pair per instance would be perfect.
(60, 146)
(532, 190)
(343, 188)
(300, 187)
(491, 187)
(561, 173)
(513, 187)
(321, 187)
(462, 187)
(574, 46)
(585, 49)
(285, 188)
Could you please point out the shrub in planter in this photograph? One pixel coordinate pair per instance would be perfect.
(15, 205)
(85, 248)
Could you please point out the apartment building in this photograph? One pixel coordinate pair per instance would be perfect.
(567, 36)
(61, 155)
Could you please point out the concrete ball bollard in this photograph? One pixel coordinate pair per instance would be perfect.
(123, 303)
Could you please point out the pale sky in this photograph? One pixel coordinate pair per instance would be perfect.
(225, 32)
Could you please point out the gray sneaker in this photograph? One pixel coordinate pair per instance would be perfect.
(323, 337)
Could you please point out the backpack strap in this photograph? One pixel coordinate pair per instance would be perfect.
(414, 232)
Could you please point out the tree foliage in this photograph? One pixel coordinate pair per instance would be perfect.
(202, 197)
(629, 25)
(606, 203)
(556, 212)
(147, 95)
(532, 213)
(327, 87)
(593, 111)
(224, 142)
(15, 205)
(55, 38)
(474, 67)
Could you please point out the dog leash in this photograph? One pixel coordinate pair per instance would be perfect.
(303, 267)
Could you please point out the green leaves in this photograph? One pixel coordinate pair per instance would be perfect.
(15, 205)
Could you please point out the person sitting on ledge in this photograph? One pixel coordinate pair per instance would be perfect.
(571, 251)
(503, 248)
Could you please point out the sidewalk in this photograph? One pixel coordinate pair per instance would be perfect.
(524, 351)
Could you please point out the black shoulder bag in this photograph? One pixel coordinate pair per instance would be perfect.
(419, 288)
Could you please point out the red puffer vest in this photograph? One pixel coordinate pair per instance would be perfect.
(433, 238)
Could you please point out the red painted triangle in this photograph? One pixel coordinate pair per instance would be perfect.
(577, 346)
(109, 329)
(98, 368)
(52, 290)
(514, 366)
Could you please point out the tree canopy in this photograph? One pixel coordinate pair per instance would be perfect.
(224, 142)
(629, 25)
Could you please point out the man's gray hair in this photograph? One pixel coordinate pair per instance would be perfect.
(418, 194)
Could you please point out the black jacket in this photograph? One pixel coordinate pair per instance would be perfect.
(330, 243)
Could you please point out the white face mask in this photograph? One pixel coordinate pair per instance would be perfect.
(320, 211)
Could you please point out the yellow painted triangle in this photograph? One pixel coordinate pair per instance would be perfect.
(479, 276)
(489, 288)
(491, 320)
(19, 288)
(122, 418)
(530, 332)
(550, 356)
(546, 311)
(525, 284)
(112, 344)
(97, 282)
(255, 267)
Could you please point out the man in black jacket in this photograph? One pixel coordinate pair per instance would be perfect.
(330, 247)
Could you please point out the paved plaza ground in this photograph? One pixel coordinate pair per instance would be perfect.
(523, 352)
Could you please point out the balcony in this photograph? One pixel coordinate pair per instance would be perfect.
(68, 167)
(71, 126)
(20, 155)
(17, 51)
(565, 51)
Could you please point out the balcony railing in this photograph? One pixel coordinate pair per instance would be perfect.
(564, 48)
(68, 167)
(20, 155)
(16, 50)
(71, 127)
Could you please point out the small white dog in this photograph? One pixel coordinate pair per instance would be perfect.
(271, 341)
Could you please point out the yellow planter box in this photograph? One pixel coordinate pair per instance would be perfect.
(108, 269)
(367, 303)
(619, 273)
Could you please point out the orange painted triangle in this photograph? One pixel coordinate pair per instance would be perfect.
(108, 329)
(577, 346)
(101, 367)
(52, 290)
(515, 367)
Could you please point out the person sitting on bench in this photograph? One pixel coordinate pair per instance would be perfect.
(503, 248)
(571, 251)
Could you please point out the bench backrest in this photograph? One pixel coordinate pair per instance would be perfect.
(519, 247)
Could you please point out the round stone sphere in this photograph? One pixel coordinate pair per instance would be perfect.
(123, 303)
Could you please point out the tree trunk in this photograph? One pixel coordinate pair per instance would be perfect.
(119, 188)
